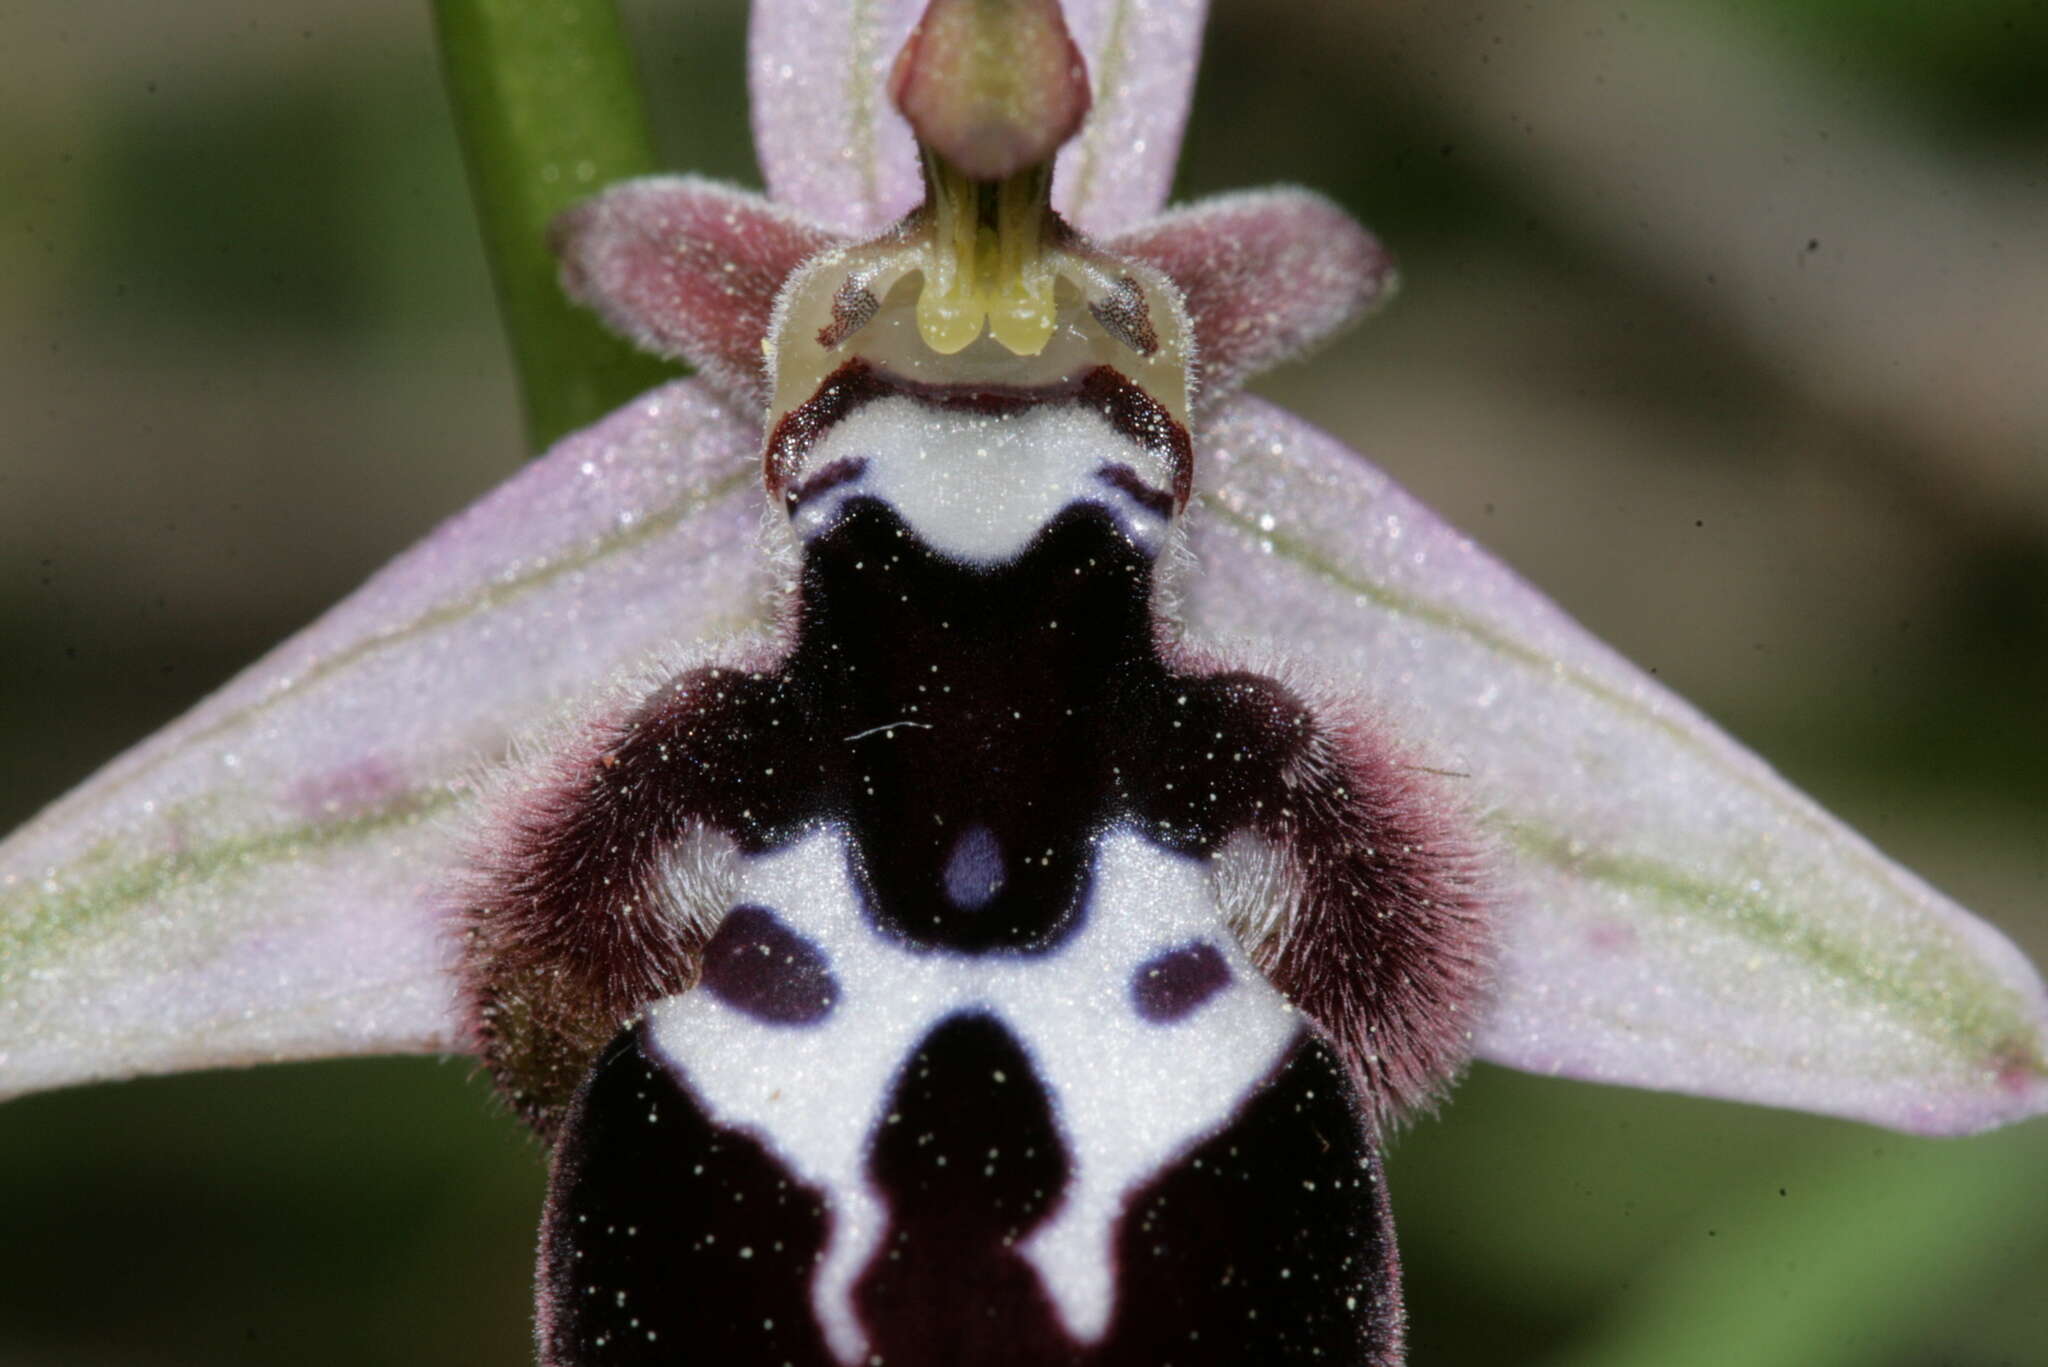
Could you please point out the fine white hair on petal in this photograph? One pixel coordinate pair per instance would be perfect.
(1255, 889)
(1674, 915)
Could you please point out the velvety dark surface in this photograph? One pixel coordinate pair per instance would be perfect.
(970, 1163)
(669, 1239)
(1026, 708)
(672, 1239)
(1268, 1243)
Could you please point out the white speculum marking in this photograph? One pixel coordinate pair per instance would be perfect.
(976, 487)
(1128, 1095)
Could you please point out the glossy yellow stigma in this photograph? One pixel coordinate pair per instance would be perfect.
(987, 267)
(992, 89)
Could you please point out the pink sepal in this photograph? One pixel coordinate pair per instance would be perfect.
(687, 268)
(1266, 275)
(265, 879)
(1674, 914)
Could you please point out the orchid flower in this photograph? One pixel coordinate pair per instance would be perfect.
(270, 877)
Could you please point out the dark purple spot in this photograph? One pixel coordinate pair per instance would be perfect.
(758, 965)
(1123, 478)
(1172, 986)
(974, 870)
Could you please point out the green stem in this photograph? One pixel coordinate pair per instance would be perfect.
(549, 111)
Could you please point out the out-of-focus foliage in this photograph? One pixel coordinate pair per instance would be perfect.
(1979, 65)
(251, 351)
(548, 108)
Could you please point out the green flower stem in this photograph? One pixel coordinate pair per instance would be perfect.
(549, 110)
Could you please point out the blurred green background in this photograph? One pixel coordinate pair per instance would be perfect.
(1726, 323)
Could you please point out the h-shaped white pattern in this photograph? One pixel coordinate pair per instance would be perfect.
(1127, 1094)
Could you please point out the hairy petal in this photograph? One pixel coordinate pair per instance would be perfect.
(1674, 915)
(263, 879)
(687, 268)
(1266, 275)
(832, 146)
